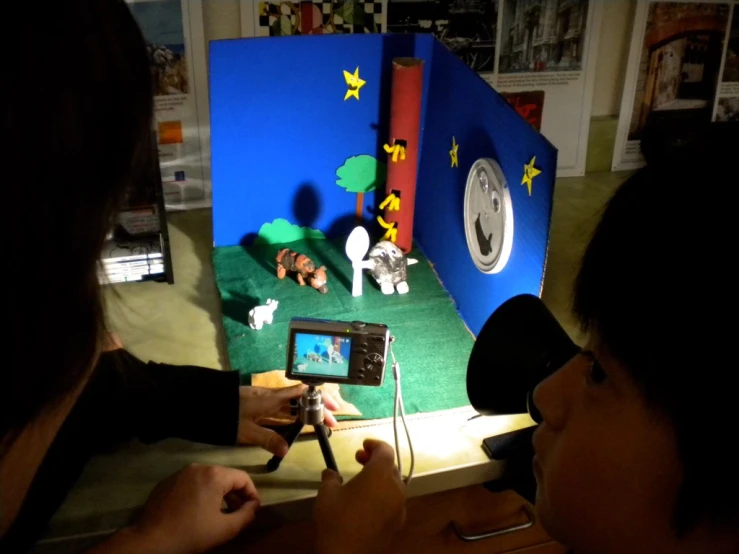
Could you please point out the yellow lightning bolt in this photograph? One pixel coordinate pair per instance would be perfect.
(529, 172)
(354, 83)
(397, 150)
(392, 232)
(454, 153)
(392, 202)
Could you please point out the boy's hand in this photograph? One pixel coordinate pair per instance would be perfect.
(363, 515)
(184, 513)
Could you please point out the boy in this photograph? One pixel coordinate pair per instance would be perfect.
(634, 452)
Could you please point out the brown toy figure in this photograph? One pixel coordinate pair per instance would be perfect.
(303, 266)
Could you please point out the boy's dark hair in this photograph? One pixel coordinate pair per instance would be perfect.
(656, 287)
(75, 120)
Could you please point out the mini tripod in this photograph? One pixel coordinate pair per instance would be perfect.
(311, 413)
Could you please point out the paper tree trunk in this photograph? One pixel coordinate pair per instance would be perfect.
(405, 127)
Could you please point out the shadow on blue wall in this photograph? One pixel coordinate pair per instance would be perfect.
(306, 205)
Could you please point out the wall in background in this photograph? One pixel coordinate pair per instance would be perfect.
(222, 20)
(613, 53)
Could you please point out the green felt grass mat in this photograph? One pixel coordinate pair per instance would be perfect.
(432, 343)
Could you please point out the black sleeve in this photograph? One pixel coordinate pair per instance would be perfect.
(126, 398)
(152, 401)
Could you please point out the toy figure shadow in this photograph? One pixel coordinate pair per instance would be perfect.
(237, 307)
(306, 204)
(247, 241)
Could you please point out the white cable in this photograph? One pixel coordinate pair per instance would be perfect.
(407, 431)
(396, 406)
(399, 407)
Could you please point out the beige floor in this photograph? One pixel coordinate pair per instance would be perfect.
(180, 323)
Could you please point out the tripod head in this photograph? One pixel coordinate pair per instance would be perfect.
(312, 408)
(311, 411)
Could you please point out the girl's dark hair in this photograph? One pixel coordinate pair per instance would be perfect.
(657, 286)
(76, 104)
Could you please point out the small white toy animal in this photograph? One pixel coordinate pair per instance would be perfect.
(336, 358)
(262, 314)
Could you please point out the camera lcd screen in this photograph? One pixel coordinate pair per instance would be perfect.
(321, 355)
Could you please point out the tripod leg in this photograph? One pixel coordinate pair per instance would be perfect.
(290, 433)
(328, 454)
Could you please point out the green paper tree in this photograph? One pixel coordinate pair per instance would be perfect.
(361, 174)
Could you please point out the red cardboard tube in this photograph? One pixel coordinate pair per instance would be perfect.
(405, 128)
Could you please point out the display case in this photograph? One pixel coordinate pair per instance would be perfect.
(137, 248)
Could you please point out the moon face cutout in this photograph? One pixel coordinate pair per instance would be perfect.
(488, 216)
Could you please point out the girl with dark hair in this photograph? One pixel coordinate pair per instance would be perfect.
(76, 116)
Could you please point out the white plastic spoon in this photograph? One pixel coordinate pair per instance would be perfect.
(357, 246)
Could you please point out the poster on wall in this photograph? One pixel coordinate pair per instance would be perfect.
(727, 106)
(547, 51)
(467, 28)
(316, 17)
(173, 30)
(683, 66)
(536, 53)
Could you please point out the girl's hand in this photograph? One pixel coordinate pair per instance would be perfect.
(193, 511)
(257, 403)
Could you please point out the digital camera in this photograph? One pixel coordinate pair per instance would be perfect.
(327, 351)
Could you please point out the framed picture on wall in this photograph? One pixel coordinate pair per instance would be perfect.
(314, 17)
(173, 30)
(682, 71)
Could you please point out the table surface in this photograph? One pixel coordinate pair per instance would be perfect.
(181, 324)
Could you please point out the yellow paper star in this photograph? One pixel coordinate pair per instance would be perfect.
(354, 83)
(454, 153)
(529, 172)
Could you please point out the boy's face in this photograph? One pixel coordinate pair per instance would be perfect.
(606, 466)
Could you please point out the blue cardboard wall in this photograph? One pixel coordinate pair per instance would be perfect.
(460, 104)
(280, 128)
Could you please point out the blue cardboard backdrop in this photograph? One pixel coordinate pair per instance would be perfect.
(280, 128)
(461, 105)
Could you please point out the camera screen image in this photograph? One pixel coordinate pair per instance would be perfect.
(322, 355)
